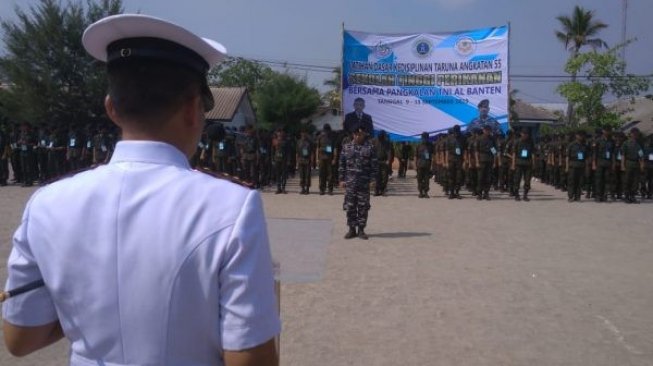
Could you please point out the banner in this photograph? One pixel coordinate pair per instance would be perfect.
(413, 83)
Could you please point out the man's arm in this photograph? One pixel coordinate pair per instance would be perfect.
(263, 355)
(21, 341)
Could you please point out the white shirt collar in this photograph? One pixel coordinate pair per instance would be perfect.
(149, 152)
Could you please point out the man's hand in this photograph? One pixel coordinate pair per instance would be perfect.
(342, 185)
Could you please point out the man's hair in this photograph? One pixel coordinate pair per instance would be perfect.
(150, 91)
(359, 99)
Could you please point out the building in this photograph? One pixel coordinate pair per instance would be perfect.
(638, 114)
(233, 107)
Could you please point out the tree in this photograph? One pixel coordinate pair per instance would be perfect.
(284, 99)
(52, 78)
(333, 96)
(237, 71)
(605, 73)
(578, 31)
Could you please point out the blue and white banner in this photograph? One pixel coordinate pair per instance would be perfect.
(413, 83)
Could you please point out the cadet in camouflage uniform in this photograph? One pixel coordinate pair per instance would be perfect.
(405, 154)
(523, 160)
(486, 159)
(326, 152)
(453, 159)
(647, 180)
(603, 159)
(472, 163)
(632, 163)
(27, 142)
(618, 173)
(101, 147)
(423, 161)
(281, 152)
(577, 158)
(5, 154)
(249, 155)
(304, 158)
(505, 161)
(385, 156)
(264, 158)
(358, 166)
(589, 171)
(441, 174)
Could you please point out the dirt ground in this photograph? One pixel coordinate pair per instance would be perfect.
(460, 282)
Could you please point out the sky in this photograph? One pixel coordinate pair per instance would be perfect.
(310, 32)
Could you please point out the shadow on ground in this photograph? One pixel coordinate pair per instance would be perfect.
(398, 235)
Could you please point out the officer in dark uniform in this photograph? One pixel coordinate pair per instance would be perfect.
(358, 166)
(14, 136)
(484, 118)
(486, 159)
(385, 156)
(56, 153)
(453, 158)
(577, 158)
(326, 152)
(423, 161)
(632, 164)
(358, 118)
(603, 159)
(523, 160)
(304, 157)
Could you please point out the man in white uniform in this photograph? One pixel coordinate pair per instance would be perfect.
(145, 261)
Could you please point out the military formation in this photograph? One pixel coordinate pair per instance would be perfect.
(608, 166)
(38, 155)
(604, 166)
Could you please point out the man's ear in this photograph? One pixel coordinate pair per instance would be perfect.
(192, 110)
(110, 108)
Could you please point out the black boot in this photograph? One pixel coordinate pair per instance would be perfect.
(351, 233)
(361, 233)
(526, 196)
(517, 197)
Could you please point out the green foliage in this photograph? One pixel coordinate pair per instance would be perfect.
(578, 30)
(238, 72)
(333, 97)
(605, 73)
(52, 79)
(285, 100)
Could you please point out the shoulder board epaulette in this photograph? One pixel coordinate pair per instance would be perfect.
(71, 174)
(227, 177)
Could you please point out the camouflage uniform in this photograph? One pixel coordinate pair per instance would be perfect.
(423, 160)
(358, 166)
(384, 155)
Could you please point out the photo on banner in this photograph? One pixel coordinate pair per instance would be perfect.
(413, 83)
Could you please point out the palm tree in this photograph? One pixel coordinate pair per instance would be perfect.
(333, 96)
(577, 31)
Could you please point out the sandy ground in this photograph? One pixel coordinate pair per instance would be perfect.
(444, 282)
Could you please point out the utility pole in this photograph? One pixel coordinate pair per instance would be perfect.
(624, 22)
